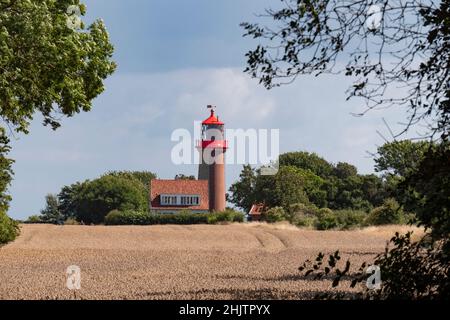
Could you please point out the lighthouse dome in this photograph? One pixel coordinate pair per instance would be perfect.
(212, 120)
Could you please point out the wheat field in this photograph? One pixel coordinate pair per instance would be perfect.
(237, 261)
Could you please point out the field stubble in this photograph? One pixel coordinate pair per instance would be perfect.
(252, 261)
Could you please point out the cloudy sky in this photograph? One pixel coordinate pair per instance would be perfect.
(174, 58)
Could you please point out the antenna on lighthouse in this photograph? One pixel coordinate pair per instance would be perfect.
(213, 108)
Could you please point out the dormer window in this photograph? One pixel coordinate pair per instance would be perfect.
(179, 200)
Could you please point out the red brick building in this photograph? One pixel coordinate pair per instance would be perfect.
(208, 192)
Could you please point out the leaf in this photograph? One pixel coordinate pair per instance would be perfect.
(336, 282)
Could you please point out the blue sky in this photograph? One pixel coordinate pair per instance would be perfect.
(174, 58)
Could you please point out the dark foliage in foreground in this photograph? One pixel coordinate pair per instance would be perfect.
(409, 271)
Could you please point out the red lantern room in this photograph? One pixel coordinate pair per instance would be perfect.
(212, 148)
(213, 134)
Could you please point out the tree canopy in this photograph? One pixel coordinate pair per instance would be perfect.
(49, 66)
(305, 177)
(400, 158)
(91, 200)
(98, 197)
(46, 66)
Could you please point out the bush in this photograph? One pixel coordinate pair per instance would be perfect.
(298, 211)
(225, 216)
(305, 221)
(71, 222)
(9, 229)
(303, 209)
(348, 219)
(389, 213)
(326, 219)
(339, 219)
(34, 219)
(302, 215)
(131, 217)
(274, 215)
(180, 218)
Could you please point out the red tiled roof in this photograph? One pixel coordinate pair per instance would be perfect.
(212, 119)
(256, 209)
(188, 187)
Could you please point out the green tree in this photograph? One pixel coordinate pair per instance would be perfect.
(98, 197)
(72, 198)
(374, 189)
(5, 171)
(51, 212)
(8, 227)
(243, 191)
(427, 192)
(313, 187)
(290, 187)
(298, 181)
(345, 170)
(307, 161)
(400, 158)
(69, 199)
(144, 177)
(46, 68)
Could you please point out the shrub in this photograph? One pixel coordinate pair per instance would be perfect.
(274, 215)
(300, 211)
(130, 217)
(34, 219)
(9, 229)
(326, 219)
(226, 216)
(305, 221)
(303, 209)
(389, 213)
(348, 219)
(71, 222)
(302, 215)
(181, 218)
(238, 217)
(339, 219)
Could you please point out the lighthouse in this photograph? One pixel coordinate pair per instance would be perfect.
(212, 148)
(207, 193)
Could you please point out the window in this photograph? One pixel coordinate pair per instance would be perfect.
(179, 200)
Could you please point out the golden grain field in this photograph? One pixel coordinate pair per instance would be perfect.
(247, 261)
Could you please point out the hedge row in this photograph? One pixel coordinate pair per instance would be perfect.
(116, 217)
(323, 219)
